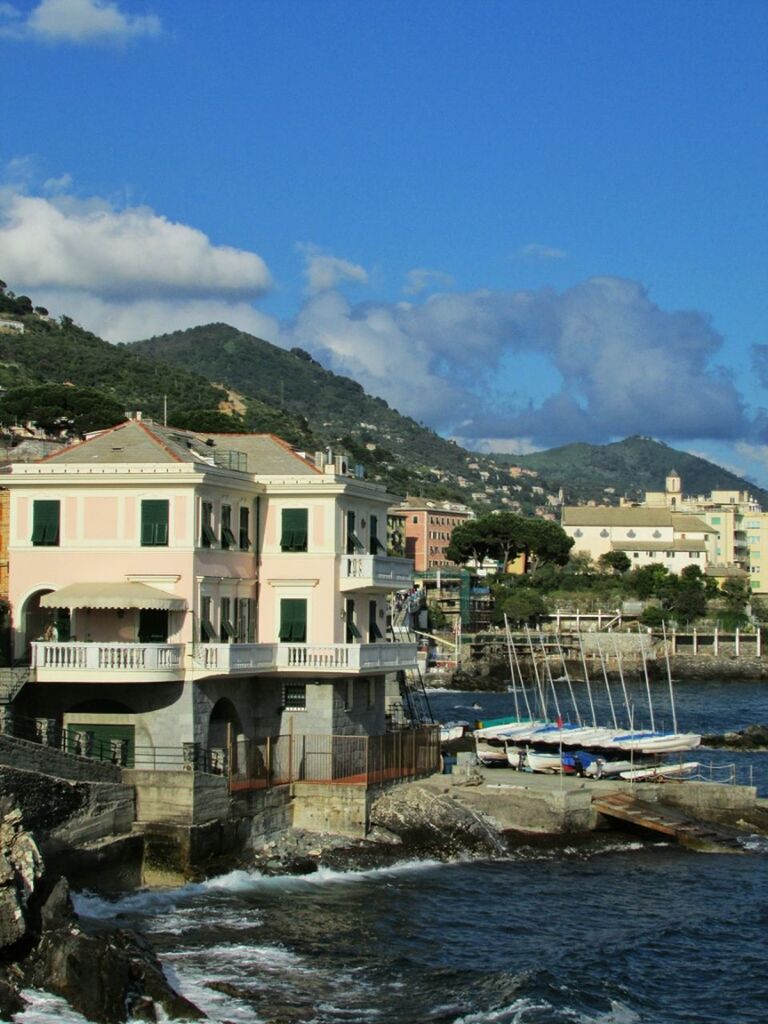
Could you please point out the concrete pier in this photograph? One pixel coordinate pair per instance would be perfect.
(556, 805)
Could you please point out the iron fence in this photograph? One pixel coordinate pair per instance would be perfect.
(340, 760)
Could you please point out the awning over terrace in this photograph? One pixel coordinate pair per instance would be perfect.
(112, 595)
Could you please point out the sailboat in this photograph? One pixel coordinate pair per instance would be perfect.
(601, 749)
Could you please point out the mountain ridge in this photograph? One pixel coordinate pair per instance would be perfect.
(216, 377)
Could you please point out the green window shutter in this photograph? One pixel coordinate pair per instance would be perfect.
(376, 547)
(293, 620)
(295, 529)
(154, 523)
(45, 523)
(245, 540)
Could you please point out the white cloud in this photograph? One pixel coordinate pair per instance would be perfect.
(90, 246)
(133, 319)
(500, 445)
(617, 363)
(78, 21)
(420, 279)
(535, 251)
(324, 272)
(125, 273)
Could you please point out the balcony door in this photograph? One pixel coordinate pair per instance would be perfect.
(153, 626)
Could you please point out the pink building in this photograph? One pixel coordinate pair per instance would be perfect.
(175, 590)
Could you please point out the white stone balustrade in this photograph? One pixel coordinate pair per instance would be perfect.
(100, 662)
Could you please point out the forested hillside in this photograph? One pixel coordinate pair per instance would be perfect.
(68, 381)
(630, 468)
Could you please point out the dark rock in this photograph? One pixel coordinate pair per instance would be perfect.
(11, 1001)
(107, 977)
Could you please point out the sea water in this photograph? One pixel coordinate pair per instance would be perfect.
(610, 930)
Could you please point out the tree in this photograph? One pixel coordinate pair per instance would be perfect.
(469, 542)
(617, 562)
(522, 606)
(58, 409)
(505, 535)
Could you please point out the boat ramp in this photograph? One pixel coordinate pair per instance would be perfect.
(691, 813)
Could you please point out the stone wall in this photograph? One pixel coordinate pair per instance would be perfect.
(34, 757)
(184, 798)
(342, 810)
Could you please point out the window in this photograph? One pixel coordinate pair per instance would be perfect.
(293, 620)
(376, 547)
(227, 537)
(207, 632)
(374, 633)
(207, 536)
(294, 535)
(294, 696)
(353, 633)
(354, 543)
(45, 524)
(154, 524)
(228, 633)
(245, 516)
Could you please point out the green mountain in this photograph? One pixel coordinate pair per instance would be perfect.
(405, 454)
(218, 378)
(628, 468)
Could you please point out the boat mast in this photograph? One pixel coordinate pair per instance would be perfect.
(513, 649)
(549, 676)
(630, 715)
(539, 689)
(511, 666)
(607, 684)
(574, 702)
(669, 677)
(647, 683)
(586, 680)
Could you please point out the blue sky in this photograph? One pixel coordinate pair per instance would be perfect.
(523, 223)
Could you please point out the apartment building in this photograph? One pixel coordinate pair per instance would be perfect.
(427, 526)
(172, 588)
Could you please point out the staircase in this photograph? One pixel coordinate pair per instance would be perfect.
(11, 682)
(412, 690)
(650, 817)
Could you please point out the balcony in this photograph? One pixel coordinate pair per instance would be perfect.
(278, 659)
(74, 662)
(366, 572)
(106, 662)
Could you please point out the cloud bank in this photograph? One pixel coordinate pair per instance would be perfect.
(624, 365)
(76, 21)
(125, 273)
(609, 362)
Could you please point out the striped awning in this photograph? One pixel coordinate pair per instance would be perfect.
(112, 595)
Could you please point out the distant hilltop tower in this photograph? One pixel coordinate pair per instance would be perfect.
(673, 488)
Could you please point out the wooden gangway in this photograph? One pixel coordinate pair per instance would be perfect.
(651, 817)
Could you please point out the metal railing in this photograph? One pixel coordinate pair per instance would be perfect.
(249, 763)
(338, 760)
(382, 569)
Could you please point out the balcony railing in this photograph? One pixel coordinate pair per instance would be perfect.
(376, 571)
(346, 657)
(98, 662)
(108, 657)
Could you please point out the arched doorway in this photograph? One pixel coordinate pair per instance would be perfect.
(38, 623)
(225, 731)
